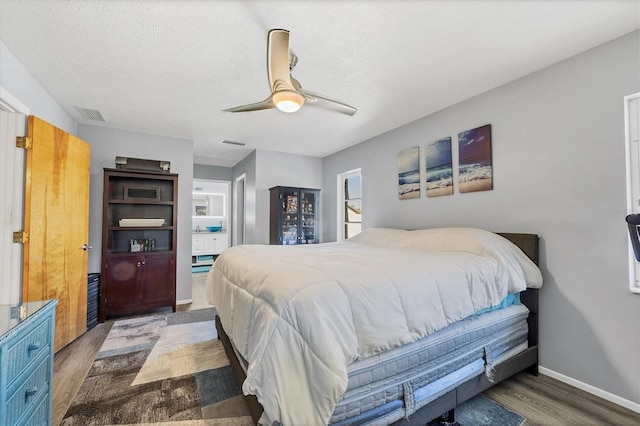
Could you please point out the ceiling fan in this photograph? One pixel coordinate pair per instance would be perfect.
(286, 92)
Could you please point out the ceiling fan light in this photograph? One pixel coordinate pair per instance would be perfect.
(287, 100)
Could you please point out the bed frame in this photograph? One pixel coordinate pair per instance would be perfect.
(524, 361)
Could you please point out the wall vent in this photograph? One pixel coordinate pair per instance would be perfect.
(90, 114)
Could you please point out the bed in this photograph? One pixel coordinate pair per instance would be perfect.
(388, 326)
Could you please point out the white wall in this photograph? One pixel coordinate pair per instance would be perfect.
(106, 145)
(15, 78)
(280, 169)
(559, 171)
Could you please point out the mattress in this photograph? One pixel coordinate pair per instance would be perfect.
(389, 386)
(301, 315)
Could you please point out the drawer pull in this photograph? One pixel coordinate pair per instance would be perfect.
(30, 392)
(33, 346)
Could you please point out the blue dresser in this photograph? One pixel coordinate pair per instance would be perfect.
(26, 362)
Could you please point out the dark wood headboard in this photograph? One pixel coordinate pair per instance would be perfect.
(528, 243)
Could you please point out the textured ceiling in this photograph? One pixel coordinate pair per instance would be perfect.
(170, 67)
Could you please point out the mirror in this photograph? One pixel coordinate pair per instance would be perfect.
(208, 205)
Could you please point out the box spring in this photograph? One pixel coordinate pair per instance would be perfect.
(387, 387)
(390, 386)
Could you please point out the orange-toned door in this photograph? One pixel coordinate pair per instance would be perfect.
(57, 220)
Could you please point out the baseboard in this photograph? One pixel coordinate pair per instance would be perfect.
(591, 389)
(184, 302)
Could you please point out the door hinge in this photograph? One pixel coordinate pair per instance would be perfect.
(24, 142)
(21, 237)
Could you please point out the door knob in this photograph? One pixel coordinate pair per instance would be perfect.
(86, 247)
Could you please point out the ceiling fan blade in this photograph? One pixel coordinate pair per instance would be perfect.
(266, 104)
(286, 92)
(328, 103)
(278, 60)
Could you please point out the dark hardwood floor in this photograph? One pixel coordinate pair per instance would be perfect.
(541, 400)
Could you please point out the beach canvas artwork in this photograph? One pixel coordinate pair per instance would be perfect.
(439, 168)
(409, 173)
(475, 171)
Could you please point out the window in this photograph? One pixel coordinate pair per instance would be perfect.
(632, 135)
(349, 204)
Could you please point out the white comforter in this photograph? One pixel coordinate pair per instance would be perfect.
(299, 315)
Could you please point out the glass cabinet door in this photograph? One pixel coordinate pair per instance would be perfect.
(290, 217)
(309, 219)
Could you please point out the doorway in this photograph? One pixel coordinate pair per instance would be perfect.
(210, 221)
(239, 199)
(13, 122)
(12, 177)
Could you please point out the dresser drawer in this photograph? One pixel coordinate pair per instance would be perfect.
(30, 392)
(26, 363)
(24, 350)
(40, 415)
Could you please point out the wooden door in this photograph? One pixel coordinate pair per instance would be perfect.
(57, 220)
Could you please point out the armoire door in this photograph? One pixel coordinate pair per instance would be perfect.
(57, 222)
(156, 284)
(122, 282)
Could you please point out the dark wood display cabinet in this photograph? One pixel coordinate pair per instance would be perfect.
(294, 215)
(139, 237)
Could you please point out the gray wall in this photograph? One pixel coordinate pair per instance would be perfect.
(280, 169)
(266, 169)
(248, 167)
(559, 171)
(204, 171)
(15, 78)
(106, 144)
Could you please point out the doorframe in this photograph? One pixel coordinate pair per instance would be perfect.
(12, 269)
(227, 203)
(239, 222)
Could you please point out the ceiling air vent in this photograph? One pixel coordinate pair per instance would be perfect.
(90, 114)
(232, 142)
